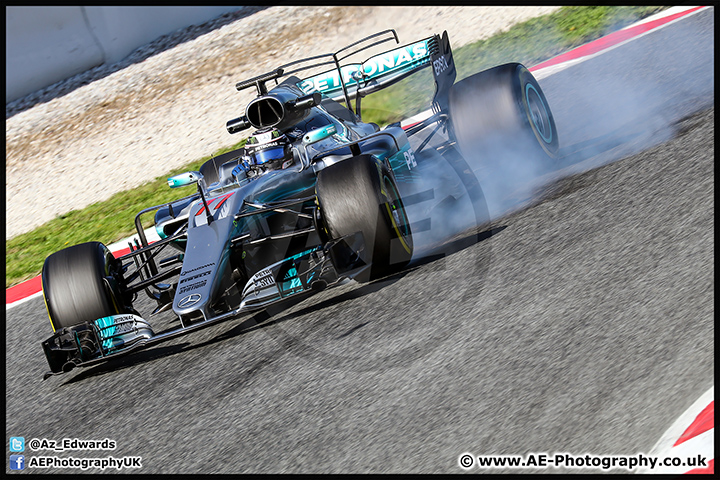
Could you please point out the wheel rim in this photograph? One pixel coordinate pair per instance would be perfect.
(538, 113)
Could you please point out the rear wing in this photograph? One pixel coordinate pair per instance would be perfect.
(380, 71)
(372, 74)
(356, 80)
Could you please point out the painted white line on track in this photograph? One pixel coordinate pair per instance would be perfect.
(23, 300)
(553, 69)
(665, 13)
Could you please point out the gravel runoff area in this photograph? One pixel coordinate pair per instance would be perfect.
(117, 126)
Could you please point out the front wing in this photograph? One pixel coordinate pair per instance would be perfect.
(90, 343)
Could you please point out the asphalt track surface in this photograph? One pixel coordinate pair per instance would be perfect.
(581, 323)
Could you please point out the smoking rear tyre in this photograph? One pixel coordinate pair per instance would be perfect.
(502, 109)
(359, 194)
(77, 284)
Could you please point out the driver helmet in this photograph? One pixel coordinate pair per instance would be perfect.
(269, 149)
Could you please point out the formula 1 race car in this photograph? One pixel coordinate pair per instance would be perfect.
(315, 197)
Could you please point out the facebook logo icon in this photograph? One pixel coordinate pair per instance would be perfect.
(17, 462)
(17, 444)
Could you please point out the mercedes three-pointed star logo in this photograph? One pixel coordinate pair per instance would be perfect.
(189, 300)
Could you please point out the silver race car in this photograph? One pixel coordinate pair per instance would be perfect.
(314, 198)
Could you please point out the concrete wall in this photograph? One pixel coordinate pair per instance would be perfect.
(47, 44)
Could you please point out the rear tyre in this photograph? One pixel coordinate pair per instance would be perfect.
(79, 285)
(501, 109)
(360, 194)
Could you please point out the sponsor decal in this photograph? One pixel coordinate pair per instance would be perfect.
(389, 63)
(189, 300)
(263, 279)
(188, 279)
(264, 137)
(192, 286)
(197, 268)
(113, 327)
(440, 65)
(124, 323)
(263, 146)
(410, 159)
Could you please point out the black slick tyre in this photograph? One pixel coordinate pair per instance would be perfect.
(76, 284)
(503, 109)
(360, 194)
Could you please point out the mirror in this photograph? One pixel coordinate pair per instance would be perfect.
(318, 134)
(184, 179)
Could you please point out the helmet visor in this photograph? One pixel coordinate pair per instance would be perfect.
(268, 155)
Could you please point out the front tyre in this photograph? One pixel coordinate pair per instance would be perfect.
(360, 194)
(79, 285)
